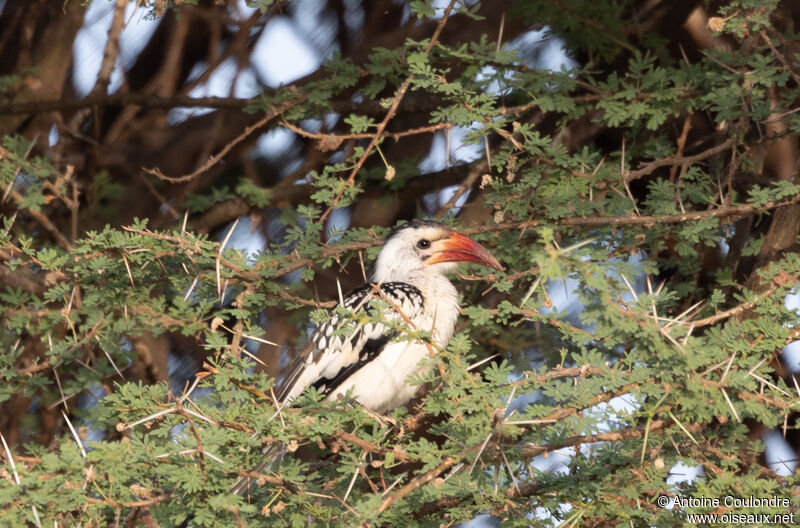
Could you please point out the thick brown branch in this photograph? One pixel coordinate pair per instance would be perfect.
(112, 48)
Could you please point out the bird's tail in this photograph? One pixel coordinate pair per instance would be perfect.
(270, 454)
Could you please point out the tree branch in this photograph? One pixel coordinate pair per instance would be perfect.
(415, 483)
(401, 92)
(678, 160)
(112, 48)
(216, 158)
(736, 310)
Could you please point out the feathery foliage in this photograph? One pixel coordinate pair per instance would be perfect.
(658, 189)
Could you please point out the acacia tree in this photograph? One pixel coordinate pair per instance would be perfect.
(665, 156)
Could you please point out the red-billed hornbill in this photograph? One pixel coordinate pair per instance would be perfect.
(409, 276)
(370, 356)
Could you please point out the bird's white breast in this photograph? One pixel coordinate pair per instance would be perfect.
(382, 384)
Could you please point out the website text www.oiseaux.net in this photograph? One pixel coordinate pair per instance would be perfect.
(737, 513)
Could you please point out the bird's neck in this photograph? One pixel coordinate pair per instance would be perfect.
(441, 302)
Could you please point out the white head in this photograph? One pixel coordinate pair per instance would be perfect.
(424, 249)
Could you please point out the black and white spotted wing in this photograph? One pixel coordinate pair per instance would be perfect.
(331, 357)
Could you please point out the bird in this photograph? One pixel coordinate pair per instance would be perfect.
(369, 358)
(372, 360)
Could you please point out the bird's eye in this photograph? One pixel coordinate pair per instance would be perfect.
(424, 244)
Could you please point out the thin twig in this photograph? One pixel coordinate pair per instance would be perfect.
(216, 158)
(678, 160)
(335, 139)
(737, 309)
(475, 171)
(417, 482)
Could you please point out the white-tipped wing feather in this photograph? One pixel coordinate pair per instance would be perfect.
(342, 346)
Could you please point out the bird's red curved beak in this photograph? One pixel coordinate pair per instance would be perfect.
(458, 248)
